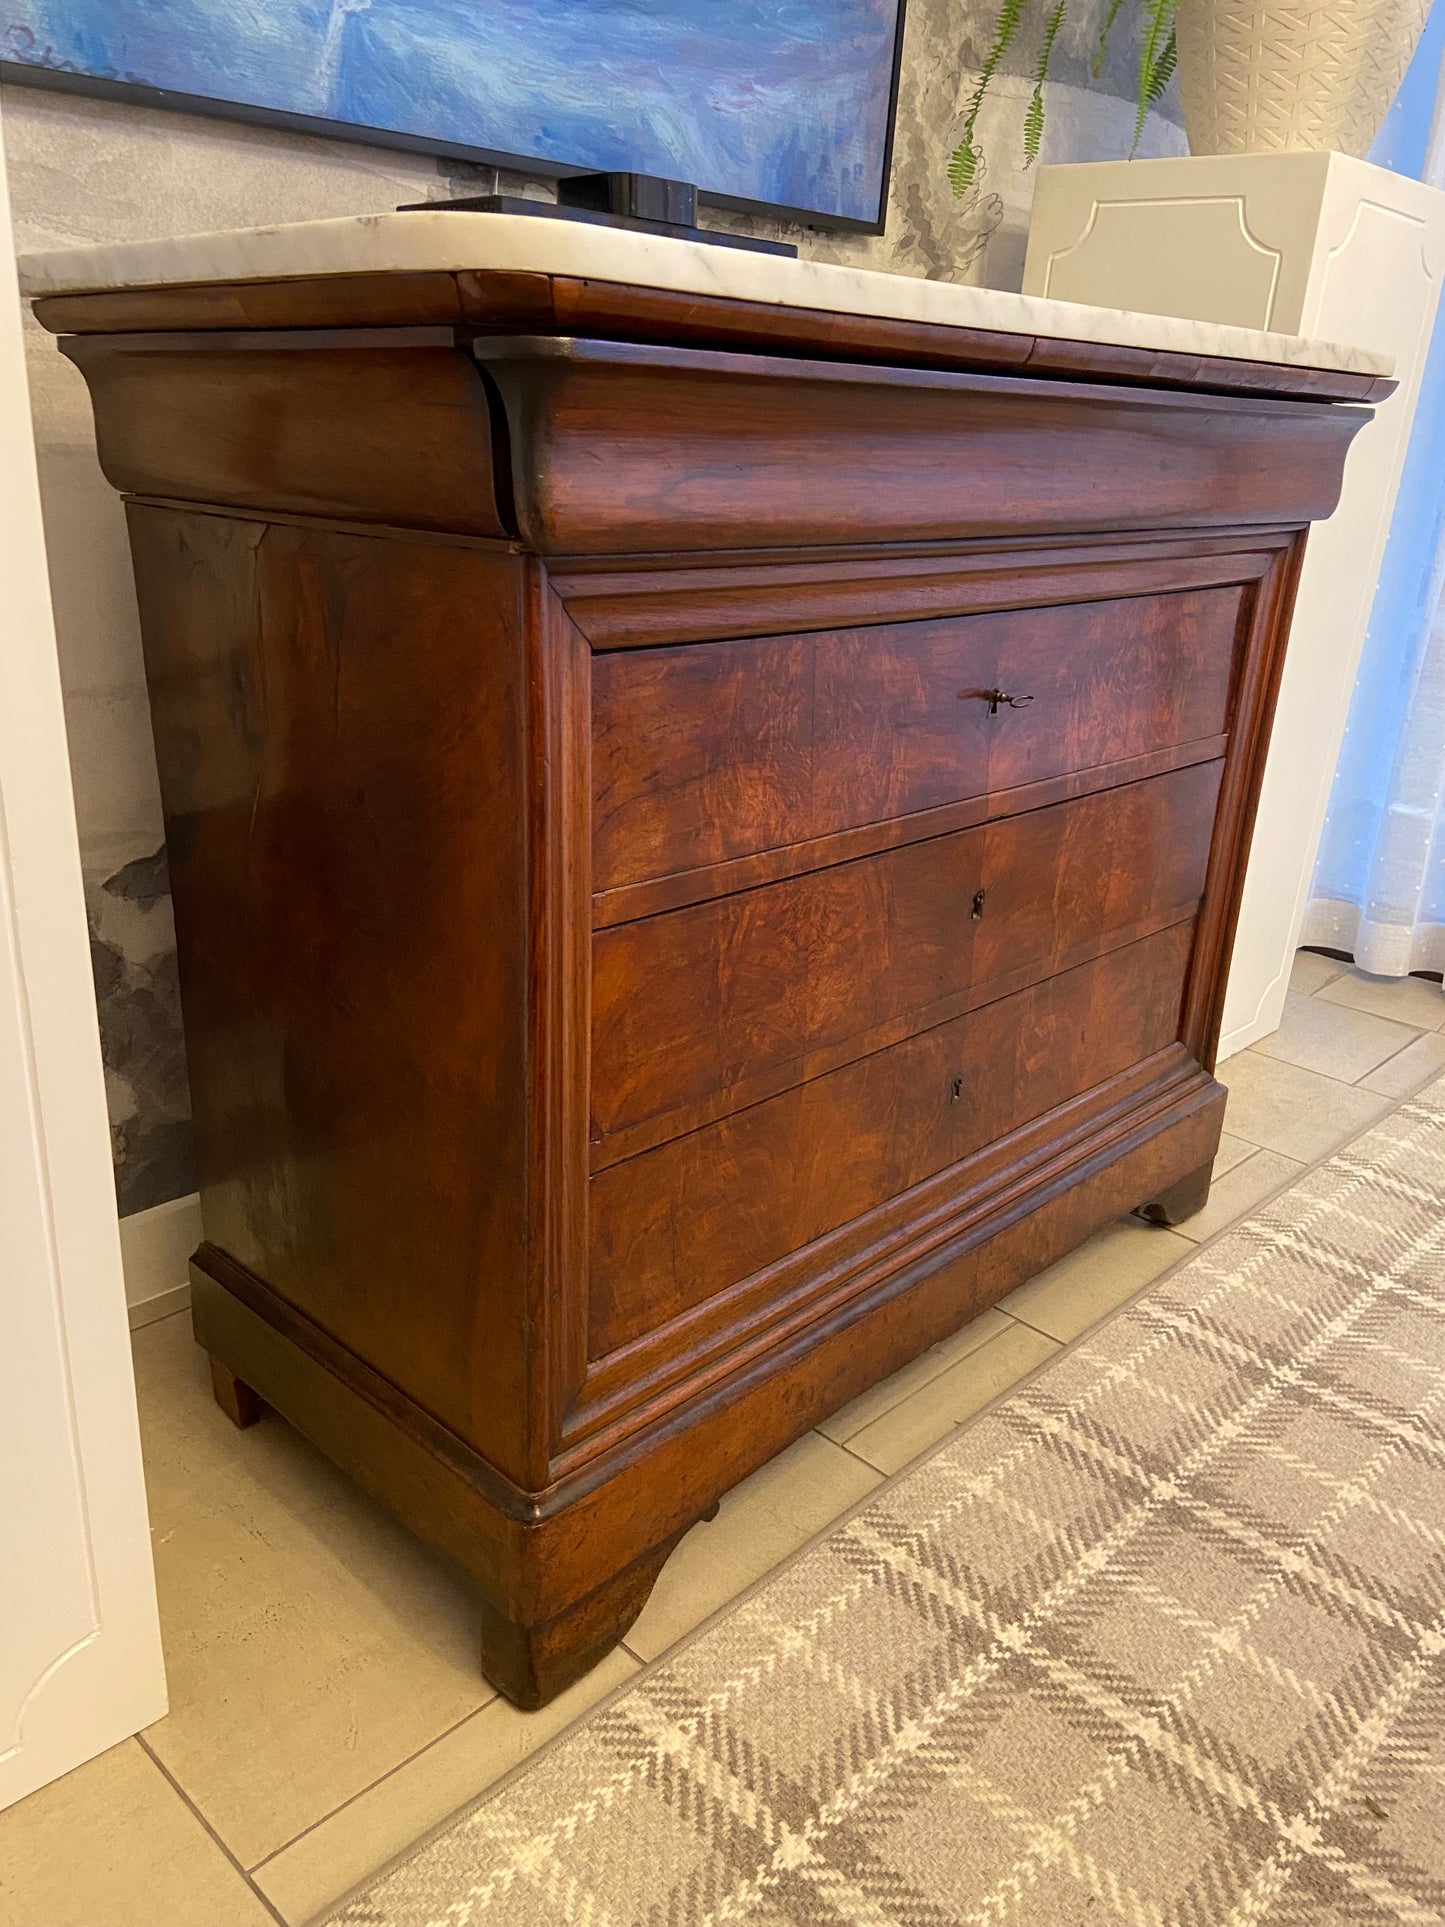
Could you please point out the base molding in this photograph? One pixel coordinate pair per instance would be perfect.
(564, 1570)
(155, 1248)
(866, 1263)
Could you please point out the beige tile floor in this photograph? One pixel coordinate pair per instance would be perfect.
(326, 1707)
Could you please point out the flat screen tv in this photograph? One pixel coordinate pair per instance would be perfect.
(782, 105)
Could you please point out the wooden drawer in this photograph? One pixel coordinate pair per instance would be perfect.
(721, 1004)
(681, 1223)
(705, 753)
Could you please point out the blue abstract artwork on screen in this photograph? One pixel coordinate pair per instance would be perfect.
(785, 102)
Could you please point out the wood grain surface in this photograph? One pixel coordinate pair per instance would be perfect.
(708, 1210)
(710, 1008)
(700, 756)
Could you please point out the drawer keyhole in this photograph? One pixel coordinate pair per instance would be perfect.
(1000, 699)
(955, 1090)
(976, 912)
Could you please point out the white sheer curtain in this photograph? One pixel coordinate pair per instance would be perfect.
(1379, 884)
(1379, 887)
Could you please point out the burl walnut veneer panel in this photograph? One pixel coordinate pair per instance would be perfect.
(699, 862)
(710, 1210)
(701, 756)
(706, 1009)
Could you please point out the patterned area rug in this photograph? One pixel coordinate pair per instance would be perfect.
(1158, 1639)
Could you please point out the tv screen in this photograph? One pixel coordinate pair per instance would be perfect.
(778, 104)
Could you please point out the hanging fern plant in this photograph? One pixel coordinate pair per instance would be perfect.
(1157, 58)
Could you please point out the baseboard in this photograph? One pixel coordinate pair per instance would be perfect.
(155, 1250)
(1263, 1021)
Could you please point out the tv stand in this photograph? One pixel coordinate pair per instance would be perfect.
(642, 203)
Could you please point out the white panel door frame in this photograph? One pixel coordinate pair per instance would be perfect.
(80, 1656)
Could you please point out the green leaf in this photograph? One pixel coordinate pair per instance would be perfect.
(1164, 72)
(1157, 56)
(1010, 15)
(1108, 27)
(1033, 127)
(964, 162)
(963, 166)
(1034, 116)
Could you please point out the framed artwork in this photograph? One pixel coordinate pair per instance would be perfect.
(777, 105)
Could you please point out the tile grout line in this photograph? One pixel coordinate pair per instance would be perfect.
(1253, 1153)
(1308, 1069)
(1014, 1318)
(1052, 1337)
(817, 1430)
(903, 1398)
(858, 1459)
(400, 1765)
(842, 1445)
(1393, 1055)
(1256, 1150)
(1201, 1238)
(372, 1785)
(1317, 995)
(191, 1806)
(159, 1318)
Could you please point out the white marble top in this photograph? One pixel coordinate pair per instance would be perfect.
(451, 241)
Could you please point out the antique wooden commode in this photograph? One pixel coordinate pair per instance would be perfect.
(707, 798)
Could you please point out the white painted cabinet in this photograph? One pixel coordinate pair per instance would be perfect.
(80, 1659)
(1311, 244)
